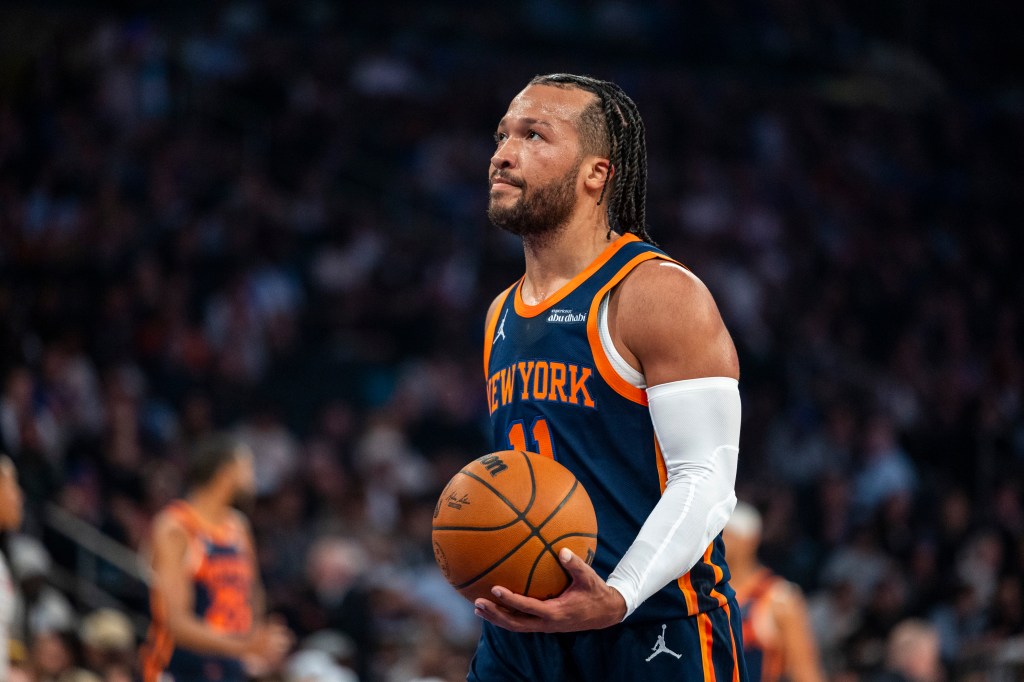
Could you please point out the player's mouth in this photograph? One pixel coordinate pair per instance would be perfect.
(504, 180)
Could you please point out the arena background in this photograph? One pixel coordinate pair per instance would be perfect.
(269, 217)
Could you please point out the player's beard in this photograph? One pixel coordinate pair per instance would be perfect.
(538, 214)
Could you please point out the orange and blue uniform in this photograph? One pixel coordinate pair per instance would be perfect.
(761, 646)
(220, 560)
(552, 389)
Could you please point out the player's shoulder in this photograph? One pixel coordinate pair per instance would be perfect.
(785, 595)
(168, 524)
(666, 289)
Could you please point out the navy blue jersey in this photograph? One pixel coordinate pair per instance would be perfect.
(552, 390)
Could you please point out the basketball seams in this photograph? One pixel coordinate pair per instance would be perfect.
(483, 528)
(548, 545)
(497, 563)
(533, 485)
(500, 496)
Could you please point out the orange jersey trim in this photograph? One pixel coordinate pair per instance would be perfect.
(604, 365)
(491, 327)
(230, 530)
(732, 638)
(524, 309)
(707, 640)
(719, 574)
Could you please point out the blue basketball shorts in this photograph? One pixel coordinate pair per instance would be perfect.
(708, 646)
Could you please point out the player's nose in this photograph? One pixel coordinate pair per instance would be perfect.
(505, 156)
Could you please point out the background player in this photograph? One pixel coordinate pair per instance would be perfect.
(615, 361)
(777, 638)
(207, 600)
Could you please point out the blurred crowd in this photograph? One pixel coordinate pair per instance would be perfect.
(269, 218)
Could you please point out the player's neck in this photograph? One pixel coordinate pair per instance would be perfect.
(555, 260)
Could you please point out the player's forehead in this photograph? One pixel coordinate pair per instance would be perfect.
(547, 104)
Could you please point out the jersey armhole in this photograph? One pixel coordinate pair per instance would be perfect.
(491, 327)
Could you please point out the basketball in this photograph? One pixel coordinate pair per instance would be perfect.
(502, 521)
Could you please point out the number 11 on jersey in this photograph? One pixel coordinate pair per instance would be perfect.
(540, 437)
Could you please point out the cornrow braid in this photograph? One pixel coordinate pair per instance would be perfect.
(617, 130)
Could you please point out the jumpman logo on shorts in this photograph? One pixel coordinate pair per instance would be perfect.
(501, 328)
(660, 648)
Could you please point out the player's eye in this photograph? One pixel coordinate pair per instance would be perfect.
(533, 135)
(500, 137)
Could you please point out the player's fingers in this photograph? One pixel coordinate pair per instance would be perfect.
(503, 618)
(490, 612)
(518, 602)
(495, 605)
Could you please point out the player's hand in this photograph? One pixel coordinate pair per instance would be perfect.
(587, 604)
(267, 647)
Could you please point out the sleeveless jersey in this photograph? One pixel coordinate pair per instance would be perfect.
(551, 389)
(765, 660)
(220, 559)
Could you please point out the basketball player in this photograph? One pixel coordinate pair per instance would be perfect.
(777, 639)
(206, 598)
(613, 359)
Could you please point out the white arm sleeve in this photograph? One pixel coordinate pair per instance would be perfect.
(697, 423)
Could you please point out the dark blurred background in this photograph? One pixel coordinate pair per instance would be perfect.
(269, 217)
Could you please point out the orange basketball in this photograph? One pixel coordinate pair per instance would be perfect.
(502, 521)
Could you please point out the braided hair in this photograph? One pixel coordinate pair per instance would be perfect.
(612, 126)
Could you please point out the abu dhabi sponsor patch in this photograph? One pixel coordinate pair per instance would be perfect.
(562, 315)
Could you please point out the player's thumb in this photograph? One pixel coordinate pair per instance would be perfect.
(572, 563)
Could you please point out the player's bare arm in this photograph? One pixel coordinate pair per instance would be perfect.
(801, 654)
(665, 323)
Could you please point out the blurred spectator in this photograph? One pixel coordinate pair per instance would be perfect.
(886, 471)
(275, 450)
(10, 519)
(312, 665)
(43, 607)
(912, 654)
(108, 644)
(54, 659)
(339, 598)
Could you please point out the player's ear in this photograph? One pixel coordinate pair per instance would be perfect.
(598, 172)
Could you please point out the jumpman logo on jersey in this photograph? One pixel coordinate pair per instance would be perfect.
(501, 328)
(660, 648)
